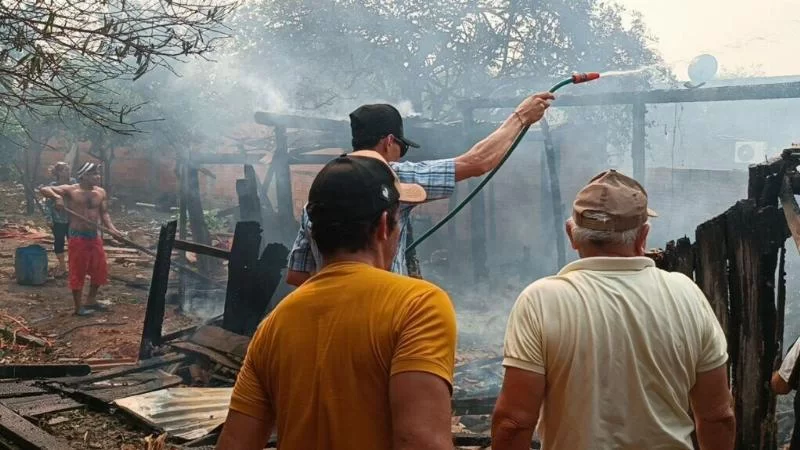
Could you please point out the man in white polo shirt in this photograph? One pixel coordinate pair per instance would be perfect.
(613, 350)
(785, 380)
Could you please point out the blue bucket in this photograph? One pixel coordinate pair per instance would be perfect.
(30, 264)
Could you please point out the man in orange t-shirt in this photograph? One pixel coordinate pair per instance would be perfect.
(357, 357)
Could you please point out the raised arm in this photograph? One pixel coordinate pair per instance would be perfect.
(486, 154)
(57, 193)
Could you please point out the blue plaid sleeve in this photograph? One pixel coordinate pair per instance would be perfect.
(437, 177)
(301, 258)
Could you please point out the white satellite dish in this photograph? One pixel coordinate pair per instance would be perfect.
(703, 69)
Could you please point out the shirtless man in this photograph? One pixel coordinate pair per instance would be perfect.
(86, 254)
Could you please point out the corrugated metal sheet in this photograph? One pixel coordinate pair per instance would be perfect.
(187, 413)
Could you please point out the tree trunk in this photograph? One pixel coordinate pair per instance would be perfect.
(30, 177)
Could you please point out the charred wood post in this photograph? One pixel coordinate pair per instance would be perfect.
(711, 273)
(639, 141)
(754, 236)
(241, 268)
(553, 164)
(247, 191)
(156, 299)
(197, 221)
(283, 184)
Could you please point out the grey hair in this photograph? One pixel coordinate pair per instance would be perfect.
(582, 236)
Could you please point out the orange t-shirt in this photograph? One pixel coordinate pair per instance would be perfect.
(320, 363)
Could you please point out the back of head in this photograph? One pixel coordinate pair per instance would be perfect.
(610, 217)
(348, 199)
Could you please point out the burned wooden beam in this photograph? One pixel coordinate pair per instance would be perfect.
(32, 371)
(157, 297)
(201, 249)
(197, 220)
(711, 273)
(32, 406)
(225, 158)
(26, 434)
(304, 123)
(22, 337)
(473, 406)
(141, 366)
(753, 260)
(480, 440)
(243, 260)
(711, 94)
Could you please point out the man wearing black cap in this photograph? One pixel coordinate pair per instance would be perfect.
(380, 128)
(358, 357)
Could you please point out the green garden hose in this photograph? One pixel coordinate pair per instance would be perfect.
(549, 149)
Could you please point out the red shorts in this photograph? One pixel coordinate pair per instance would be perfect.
(86, 257)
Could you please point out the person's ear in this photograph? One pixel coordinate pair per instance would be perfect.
(382, 230)
(641, 240)
(569, 226)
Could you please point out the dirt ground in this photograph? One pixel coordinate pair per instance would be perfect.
(46, 311)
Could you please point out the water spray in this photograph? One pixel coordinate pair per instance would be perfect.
(549, 154)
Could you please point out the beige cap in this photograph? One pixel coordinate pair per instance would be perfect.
(409, 192)
(620, 200)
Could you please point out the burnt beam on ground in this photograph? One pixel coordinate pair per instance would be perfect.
(141, 366)
(27, 435)
(156, 299)
(713, 94)
(31, 371)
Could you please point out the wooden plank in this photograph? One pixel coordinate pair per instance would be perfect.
(141, 366)
(480, 440)
(31, 371)
(244, 256)
(753, 258)
(711, 273)
(710, 94)
(639, 142)
(109, 394)
(157, 297)
(684, 257)
(473, 406)
(299, 122)
(18, 389)
(22, 337)
(225, 158)
(26, 434)
(41, 404)
(249, 203)
(215, 356)
(283, 185)
(201, 249)
(197, 220)
(553, 166)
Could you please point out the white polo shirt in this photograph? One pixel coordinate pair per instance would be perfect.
(620, 343)
(789, 361)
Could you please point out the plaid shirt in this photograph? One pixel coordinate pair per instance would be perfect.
(438, 178)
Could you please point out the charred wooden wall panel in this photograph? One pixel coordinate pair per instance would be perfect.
(711, 273)
(753, 260)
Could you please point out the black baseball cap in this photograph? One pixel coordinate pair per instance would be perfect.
(356, 187)
(370, 122)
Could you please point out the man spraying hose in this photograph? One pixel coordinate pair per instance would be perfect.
(380, 128)
(85, 246)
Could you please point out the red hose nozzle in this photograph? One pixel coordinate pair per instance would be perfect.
(584, 77)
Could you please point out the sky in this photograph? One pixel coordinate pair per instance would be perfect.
(759, 37)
